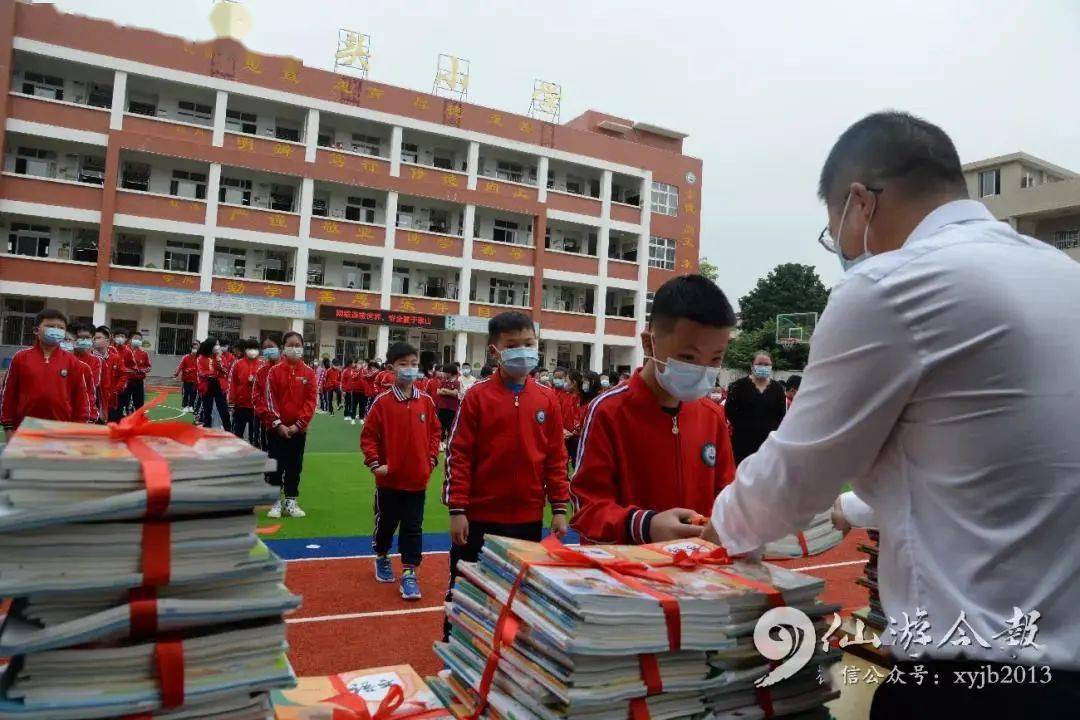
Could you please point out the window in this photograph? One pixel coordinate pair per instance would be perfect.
(648, 305)
(182, 256)
(316, 269)
(665, 199)
(29, 240)
(194, 112)
(1067, 239)
(281, 197)
(661, 253)
(575, 185)
(400, 282)
(619, 304)
(352, 342)
(562, 355)
(410, 153)
(18, 322)
(504, 292)
(135, 176)
(92, 170)
(175, 332)
(124, 326)
(35, 161)
(320, 205)
(989, 183)
(405, 215)
(276, 266)
(509, 171)
(287, 130)
(504, 231)
(325, 137)
(84, 246)
(128, 250)
(368, 144)
(46, 86)
(225, 328)
(230, 261)
(141, 104)
(241, 122)
(438, 221)
(100, 95)
(360, 209)
(188, 184)
(443, 159)
(356, 275)
(235, 191)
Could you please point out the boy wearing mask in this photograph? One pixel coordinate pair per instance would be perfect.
(111, 370)
(189, 378)
(141, 368)
(505, 455)
(271, 353)
(400, 441)
(83, 349)
(628, 491)
(239, 391)
(122, 373)
(43, 380)
(290, 405)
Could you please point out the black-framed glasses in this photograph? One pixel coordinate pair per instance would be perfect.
(827, 241)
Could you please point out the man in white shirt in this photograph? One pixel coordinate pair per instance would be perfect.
(942, 386)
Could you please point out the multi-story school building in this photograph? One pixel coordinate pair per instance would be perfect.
(190, 189)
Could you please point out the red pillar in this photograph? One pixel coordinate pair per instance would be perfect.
(108, 209)
(537, 289)
(7, 60)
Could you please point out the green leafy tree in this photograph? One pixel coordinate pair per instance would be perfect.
(708, 269)
(740, 352)
(788, 288)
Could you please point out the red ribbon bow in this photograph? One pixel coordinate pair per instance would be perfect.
(713, 559)
(354, 707)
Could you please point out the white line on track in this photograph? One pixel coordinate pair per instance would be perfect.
(358, 557)
(360, 616)
(829, 565)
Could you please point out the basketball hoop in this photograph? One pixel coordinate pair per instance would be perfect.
(788, 342)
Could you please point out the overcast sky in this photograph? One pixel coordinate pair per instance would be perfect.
(762, 88)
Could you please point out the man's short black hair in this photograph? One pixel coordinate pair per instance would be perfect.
(893, 149)
(794, 382)
(694, 297)
(82, 327)
(451, 368)
(291, 333)
(507, 322)
(103, 329)
(399, 350)
(487, 371)
(249, 344)
(49, 314)
(134, 333)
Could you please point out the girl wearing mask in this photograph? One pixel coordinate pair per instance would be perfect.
(212, 383)
(584, 387)
(755, 406)
(189, 378)
(290, 405)
(271, 353)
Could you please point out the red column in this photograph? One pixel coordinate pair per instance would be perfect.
(537, 289)
(108, 209)
(7, 60)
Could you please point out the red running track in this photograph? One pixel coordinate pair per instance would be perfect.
(348, 621)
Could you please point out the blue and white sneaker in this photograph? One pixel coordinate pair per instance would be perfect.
(384, 569)
(410, 588)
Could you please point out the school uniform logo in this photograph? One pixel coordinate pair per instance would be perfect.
(541, 416)
(708, 454)
(303, 380)
(63, 373)
(423, 417)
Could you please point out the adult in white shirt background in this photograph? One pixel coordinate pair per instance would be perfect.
(942, 385)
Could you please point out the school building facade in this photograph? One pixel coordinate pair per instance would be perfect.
(189, 189)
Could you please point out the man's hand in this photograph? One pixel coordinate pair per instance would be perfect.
(674, 524)
(559, 525)
(282, 430)
(459, 529)
(294, 430)
(381, 471)
(710, 534)
(839, 521)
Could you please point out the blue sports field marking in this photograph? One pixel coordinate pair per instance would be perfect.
(330, 548)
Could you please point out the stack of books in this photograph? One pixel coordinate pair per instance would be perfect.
(114, 614)
(590, 645)
(318, 698)
(873, 615)
(818, 537)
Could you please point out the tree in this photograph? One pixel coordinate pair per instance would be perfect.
(740, 352)
(708, 269)
(788, 288)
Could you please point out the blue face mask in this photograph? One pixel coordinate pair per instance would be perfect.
(560, 383)
(84, 343)
(271, 353)
(762, 371)
(519, 361)
(604, 382)
(52, 335)
(67, 346)
(844, 262)
(407, 374)
(685, 381)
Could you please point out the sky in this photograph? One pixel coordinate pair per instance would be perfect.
(762, 88)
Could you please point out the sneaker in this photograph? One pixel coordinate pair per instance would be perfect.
(292, 509)
(352, 421)
(384, 569)
(410, 588)
(275, 510)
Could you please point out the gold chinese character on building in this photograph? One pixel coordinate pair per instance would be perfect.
(483, 312)
(234, 287)
(290, 71)
(283, 149)
(453, 111)
(487, 250)
(360, 299)
(174, 203)
(526, 127)
(491, 187)
(277, 221)
(369, 166)
(440, 307)
(337, 160)
(412, 239)
(686, 264)
(687, 242)
(420, 102)
(408, 305)
(167, 279)
(688, 229)
(271, 290)
(375, 92)
(245, 143)
(331, 227)
(417, 173)
(326, 296)
(495, 119)
(450, 180)
(342, 85)
(188, 281)
(237, 212)
(444, 243)
(521, 194)
(517, 253)
(690, 207)
(365, 233)
(252, 63)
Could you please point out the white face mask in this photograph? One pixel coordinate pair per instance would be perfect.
(252, 353)
(291, 351)
(844, 262)
(217, 349)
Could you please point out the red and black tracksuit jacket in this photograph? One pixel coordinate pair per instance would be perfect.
(92, 377)
(402, 433)
(258, 392)
(51, 388)
(141, 362)
(210, 368)
(290, 395)
(636, 459)
(186, 370)
(332, 379)
(242, 376)
(506, 454)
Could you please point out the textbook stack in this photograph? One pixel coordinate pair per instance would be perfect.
(137, 593)
(820, 536)
(388, 693)
(873, 615)
(594, 643)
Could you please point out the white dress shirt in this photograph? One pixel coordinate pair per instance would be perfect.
(943, 384)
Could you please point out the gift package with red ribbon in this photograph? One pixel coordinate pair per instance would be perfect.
(814, 539)
(546, 631)
(384, 693)
(138, 585)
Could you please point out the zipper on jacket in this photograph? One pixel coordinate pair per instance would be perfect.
(678, 454)
(674, 424)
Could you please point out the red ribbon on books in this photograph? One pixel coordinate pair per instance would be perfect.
(713, 559)
(354, 707)
(802, 544)
(143, 611)
(169, 661)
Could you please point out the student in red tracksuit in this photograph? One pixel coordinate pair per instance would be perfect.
(83, 349)
(384, 380)
(400, 441)
(121, 365)
(290, 405)
(242, 377)
(189, 378)
(102, 348)
(141, 368)
(655, 451)
(270, 355)
(332, 385)
(123, 347)
(227, 358)
(584, 387)
(506, 454)
(447, 397)
(212, 383)
(44, 381)
(367, 377)
(351, 389)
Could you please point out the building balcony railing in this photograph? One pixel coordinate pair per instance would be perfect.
(46, 111)
(574, 203)
(48, 271)
(158, 205)
(626, 327)
(622, 269)
(50, 191)
(137, 275)
(572, 262)
(168, 129)
(569, 320)
(626, 213)
(327, 295)
(250, 286)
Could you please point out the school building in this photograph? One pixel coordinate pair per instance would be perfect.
(190, 189)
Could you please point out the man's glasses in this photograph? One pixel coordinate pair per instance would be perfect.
(826, 240)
